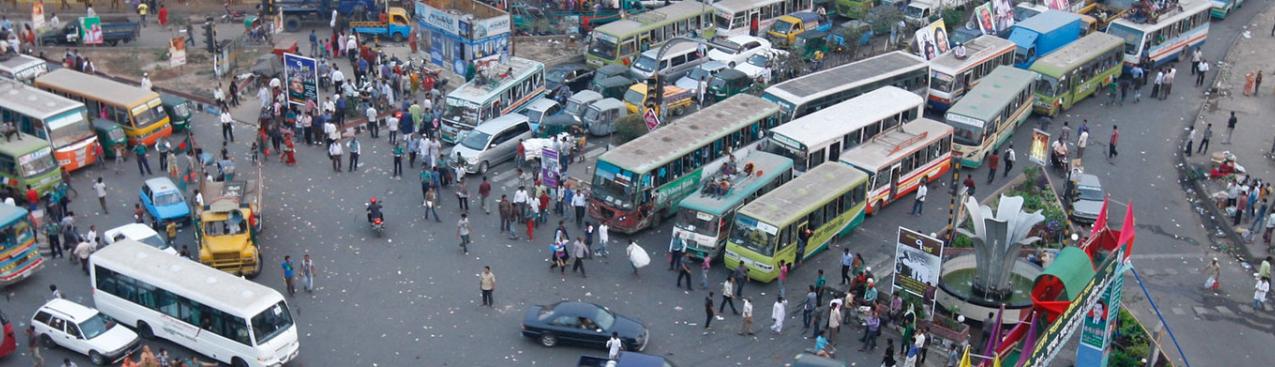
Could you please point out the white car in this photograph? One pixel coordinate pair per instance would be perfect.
(755, 66)
(84, 330)
(140, 233)
(703, 72)
(737, 49)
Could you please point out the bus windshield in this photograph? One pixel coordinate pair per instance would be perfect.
(1132, 37)
(753, 235)
(148, 114)
(797, 156)
(614, 185)
(271, 322)
(723, 20)
(1047, 86)
(458, 113)
(940, 82)
(966, 134)
(68, 129)
(37, 162)
(603, 46)
(698, 222)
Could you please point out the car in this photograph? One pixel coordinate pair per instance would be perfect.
(492, 142)
(807, 359)
(8, 342)
(736, 49)
(584, 324)
(163, 202)
(140, 233)
(83, 330)
(626, 359)
(1087, 201)
(702, 72)
(575, 76)
(755, 67)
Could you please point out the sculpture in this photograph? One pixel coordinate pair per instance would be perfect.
(997, 239)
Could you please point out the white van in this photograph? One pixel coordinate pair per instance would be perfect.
(23, 68)
(677, 61)
(492, 142)
(539, 109)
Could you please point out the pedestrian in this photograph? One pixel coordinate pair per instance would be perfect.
(1259, 293)
(462, 195)
(487, 284)
(1264, 270)
(53, 232)
(1190, 140)
(33, 345)
(580, 251)
(391, 123)
(918, 204)
(675, 248)
(1230, 127)
(847, 259)
(227, 127)
(1010, 158)
(355, 150)
(777, 314)
(803, 238)
(288, 274)
(484, 190)
(969, 185)
(1257, 83)
(808, 307)
(603, 238)
(728, 295)
(783, 275)
(1214, 273)
(162, 147)
(1168, 83)
(1065, 133)
(1204, 140)
(834, 320)
(632, 253)
(99, 188)
(308, 272)
(746, 325)
(560, 256)
(398, 160)
(1082, 141)
(684, 272)
(703, 271)
(1204, 69)
(992, 162)
(872, 329)
(462, 229)
(1196, 57)
(579, 201)
(708, 311)
(614, 345)
(334, 154)
(1159, 80)
(1111, 147)
(143, 166)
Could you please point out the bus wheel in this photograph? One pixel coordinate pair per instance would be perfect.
(145, 330)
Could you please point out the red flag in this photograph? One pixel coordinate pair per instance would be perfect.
(1127, 231)
(1100, 223)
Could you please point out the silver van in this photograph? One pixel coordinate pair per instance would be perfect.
(539, 109)
(492, 142)
(600, 117)
(677, 61)
(579, 102)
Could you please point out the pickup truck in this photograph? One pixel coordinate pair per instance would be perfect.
(297, 11)
(676, 100)
(114, 31)
(396, 26)
(626, 359)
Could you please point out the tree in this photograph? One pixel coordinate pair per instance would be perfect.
(627, 128)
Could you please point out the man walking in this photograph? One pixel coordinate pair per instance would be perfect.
(777, 314)
(992, 162)
(307, 272)
(918, 204)
(355, 149)
(487, 284)
(746, 326)
(1168, 83)
(1010, 157)
(684, 271)
(847, 259)
(227, 127)
(580, 251)
(1082, 141)
(144, 166)
(398, 160)
(99, 187)
(808, 307)
(33, 345)
(708, 311)
(1230, 127)
(1203, 69)
(579, 201)
(1115, 138)
(288, 275)
(484, 190)
(506, 213)
(728, 295)
(675, 248)
(462, 229)
(1204, 140)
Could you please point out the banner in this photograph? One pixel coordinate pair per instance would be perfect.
(37, 15)
(917, 260)
(91, 30)
(1004, 11)
(1100, 322)
(177, 51)
(1039, 152)
(983, 16)
(1052, 340)
(302, 77)
(550, 167)
(1059, 5)
(931, 40)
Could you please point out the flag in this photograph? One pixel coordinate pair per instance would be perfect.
(996, 362)
(965, 358)
(1100, 223)
(1127, 231)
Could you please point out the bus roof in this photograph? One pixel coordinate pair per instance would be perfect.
(10, 214)
(735, 6)
(992, 93)
(1048, 21)
(1073, 55)
(891, 146)
(653, 18)
(110, 91)
(834, 79)
(196, 281)
(790, 201)
(33, 102)
(27, 144)
(689, 133)
(768, 165)
(20, 61)
(1189, 7)
(519, 67)
(975, 50)
(836, 120)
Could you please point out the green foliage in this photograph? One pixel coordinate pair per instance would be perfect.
(1132, 342)
(962, 241)
(628, 128)
(954, 17)
(881, 18)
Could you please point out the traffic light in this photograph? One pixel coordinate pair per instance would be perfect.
(209, 41)
(658, 92)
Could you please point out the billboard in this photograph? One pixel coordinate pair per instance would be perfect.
(37, 15)
(302, 77)
(91, 27)
(1039, 152)
(917, 260)
(931, 40)
(983, 16)
(177, 51)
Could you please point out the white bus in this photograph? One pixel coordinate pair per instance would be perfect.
(23, 68)
(512, 86)
(60, 121)
(951, 77)
(735, 17)
(1164, 39)
(986, 118)
(897, 160)
(812, 92)
(824, 135)
(227, 318)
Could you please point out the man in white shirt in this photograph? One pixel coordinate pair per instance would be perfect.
(614, 345)
(520, 202)
(372, 122)
(337, 77)
(99, 187)
(329, 131)
(921, 191)
(1081, 142)
(146, 81)
(1010, 157)
(227, 127)
(334, 152)
(747, 315)
(220, 97)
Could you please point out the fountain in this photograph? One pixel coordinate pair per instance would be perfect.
(994, 275)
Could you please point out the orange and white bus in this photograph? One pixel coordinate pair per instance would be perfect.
(897, 160)
(951, 76)
(140, 112)
(58, 120)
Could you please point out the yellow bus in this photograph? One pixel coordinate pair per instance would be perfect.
(140, 112)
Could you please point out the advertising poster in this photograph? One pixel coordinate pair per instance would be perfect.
(931, 40)
(177, 51)
(1039, 153)
(37, 15)
(549, 166)
(1058, 5)
(302, 77)
(1004, 12)
(917, 260)
(983, 16)
(91, 27)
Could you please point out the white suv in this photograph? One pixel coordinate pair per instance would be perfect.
(83, 330)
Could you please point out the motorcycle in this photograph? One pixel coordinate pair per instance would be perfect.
(378, 226)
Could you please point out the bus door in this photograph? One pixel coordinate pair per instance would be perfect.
(796, 236)
(834, 151)
(894, 180)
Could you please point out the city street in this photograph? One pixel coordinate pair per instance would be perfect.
(412, 299)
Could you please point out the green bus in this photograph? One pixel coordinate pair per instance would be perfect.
(988, 114)
(704, 218)
(1076, 71)
(28, 160)
(621, 41)
(828, 198)
(854, 9)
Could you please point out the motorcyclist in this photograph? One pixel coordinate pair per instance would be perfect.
(374, 211)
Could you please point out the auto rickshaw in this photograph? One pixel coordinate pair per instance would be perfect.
(729, 82)
(864, 30)
(110, 135)
(606, 72)
(809, 42)
(613, 87)
(557, 124)
(178, 110)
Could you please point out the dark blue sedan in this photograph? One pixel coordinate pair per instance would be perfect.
(584, 324)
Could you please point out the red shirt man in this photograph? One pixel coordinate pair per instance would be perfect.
(32, 196)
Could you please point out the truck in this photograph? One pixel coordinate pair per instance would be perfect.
(922, 12)
(396, 26)
(229, 223)
(115, 30)
(676, 100)
(297, 11)
(1041, 34)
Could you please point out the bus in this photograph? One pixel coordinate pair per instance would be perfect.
(18, 248)
(51, 117)
(812, 92)
(222, 316)
(987, 117)
(829, 200)
(824, 135)
(23, 68)
(484, 99)
(1222, 8)
(1076, 71)
(621, 41)
(1164, 39)
(637, 184)
(735, 17)
(896, 161)
(26, 160)
(140, 112)
(704, 218)
(951, 77)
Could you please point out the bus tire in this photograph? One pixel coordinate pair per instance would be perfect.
(145, 331)
(238, 362)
